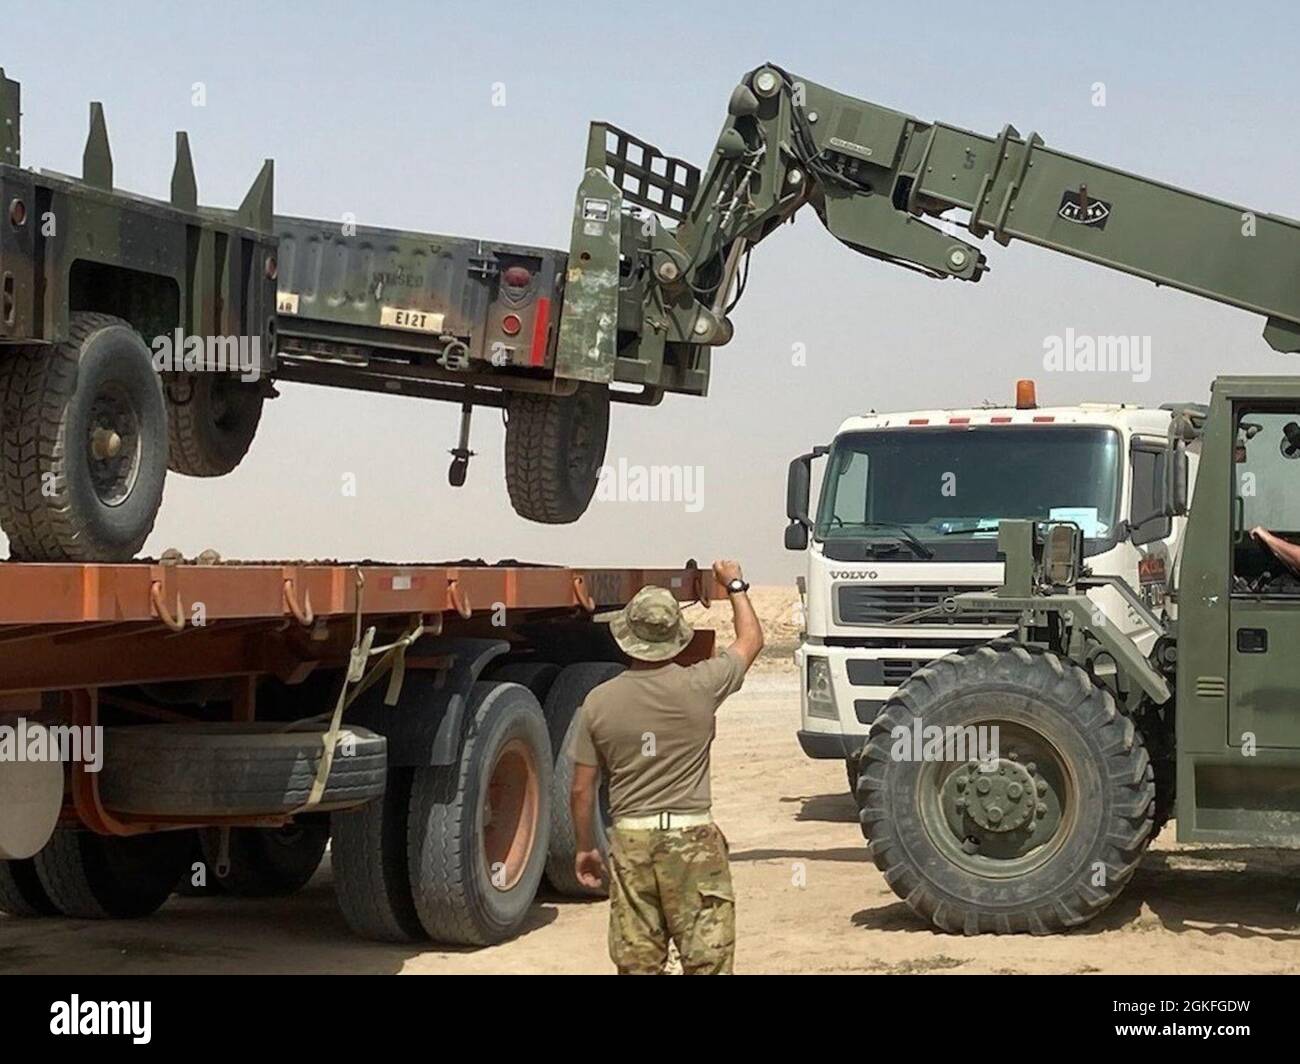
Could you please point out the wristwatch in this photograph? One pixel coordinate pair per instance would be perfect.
(735, 587)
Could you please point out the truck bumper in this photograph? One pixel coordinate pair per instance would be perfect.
(829, 746)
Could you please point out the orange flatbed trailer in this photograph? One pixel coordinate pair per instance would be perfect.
(242, 729)
(68, 626)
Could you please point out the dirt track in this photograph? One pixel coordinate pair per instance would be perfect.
(1188, 909)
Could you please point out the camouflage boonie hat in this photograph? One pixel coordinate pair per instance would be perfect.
(651, 627)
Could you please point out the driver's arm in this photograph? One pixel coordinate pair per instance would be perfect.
(1285, 551)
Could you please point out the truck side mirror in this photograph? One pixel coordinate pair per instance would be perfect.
(798, 488)
(1176, 476)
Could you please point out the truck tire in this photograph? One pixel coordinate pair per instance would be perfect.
(371, 881)
(851, 770)
(21, 893)
(537, 676)
(1058, 830)
(567, 694)
(478, 828)
(555, 446)
(211, 770)
(211, 421)
(268, 862)
(111, 877)
(84, 445)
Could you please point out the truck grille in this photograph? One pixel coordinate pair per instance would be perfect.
(895, 671)
(872, 604)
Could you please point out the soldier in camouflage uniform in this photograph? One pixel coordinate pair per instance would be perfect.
(649, 732)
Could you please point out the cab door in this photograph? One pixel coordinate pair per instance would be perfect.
(1264, 612)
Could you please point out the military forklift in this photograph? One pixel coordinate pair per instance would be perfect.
(1096, 743)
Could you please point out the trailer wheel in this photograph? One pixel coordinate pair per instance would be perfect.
(555, 446)
(537, 676)
(562, 704)
(371, 882)
(96, 877)
(269, 862)
(478, 828)
(1045, 832)
(21, 893)
(85, 453)
(211, 421)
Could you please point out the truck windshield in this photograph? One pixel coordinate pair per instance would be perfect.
(949, 487)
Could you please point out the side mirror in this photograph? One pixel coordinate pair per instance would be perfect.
(1176, 477)
(798, 488)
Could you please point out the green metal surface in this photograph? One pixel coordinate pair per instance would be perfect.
(1001, 817)
(85, 246)
(10, 121)
(588, 343)
(873, 174)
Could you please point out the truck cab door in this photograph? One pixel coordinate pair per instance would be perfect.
(1264, 612)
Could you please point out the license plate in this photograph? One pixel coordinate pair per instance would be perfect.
(419, 320)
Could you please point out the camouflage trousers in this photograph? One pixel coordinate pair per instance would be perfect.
(671, 885)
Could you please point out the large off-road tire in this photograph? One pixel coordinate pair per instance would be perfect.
(566, 696)
(368, 858)
(1042, 836)
(478, 828)
(211, 421)
(84, 457)
(555, 446)
(268, 862)
(21, 893)
(97, 877)
(219, 769)
(852, 771)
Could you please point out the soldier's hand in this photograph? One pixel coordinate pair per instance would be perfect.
(589, 867)
(725, 570)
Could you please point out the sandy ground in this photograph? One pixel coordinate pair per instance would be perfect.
(808, 898)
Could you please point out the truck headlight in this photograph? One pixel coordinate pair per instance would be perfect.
(821, 693)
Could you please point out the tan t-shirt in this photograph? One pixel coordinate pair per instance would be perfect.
(650, 731)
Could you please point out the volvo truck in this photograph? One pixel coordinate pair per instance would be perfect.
(908, 516)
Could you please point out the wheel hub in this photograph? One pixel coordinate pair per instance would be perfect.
(999, 795)
(113, 445)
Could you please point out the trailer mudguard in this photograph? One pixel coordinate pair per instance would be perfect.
(424, 727)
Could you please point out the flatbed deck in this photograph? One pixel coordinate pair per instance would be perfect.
(68, 626)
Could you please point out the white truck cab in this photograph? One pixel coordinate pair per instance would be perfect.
(908, 515)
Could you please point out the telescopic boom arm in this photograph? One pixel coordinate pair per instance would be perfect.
(873, 175)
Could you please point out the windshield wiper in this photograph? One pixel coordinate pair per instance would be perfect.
(907, 538)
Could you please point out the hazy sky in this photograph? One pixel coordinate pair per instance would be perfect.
(386, 112)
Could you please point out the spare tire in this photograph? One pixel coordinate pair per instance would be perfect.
(212, 769)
